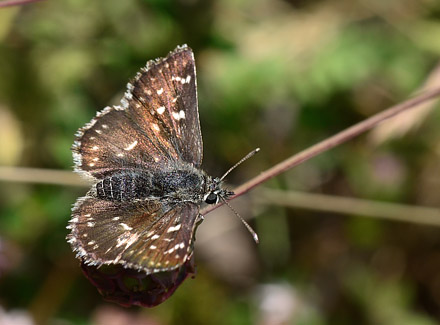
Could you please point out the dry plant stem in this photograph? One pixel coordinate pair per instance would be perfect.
(349, 206)
(40, 176)
(16, 3)
(328, 144)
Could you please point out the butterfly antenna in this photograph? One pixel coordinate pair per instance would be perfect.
(253, 233)
(250, 154)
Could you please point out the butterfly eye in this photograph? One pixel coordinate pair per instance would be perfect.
(211, 198)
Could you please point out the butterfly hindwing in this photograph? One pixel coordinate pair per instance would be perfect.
(147, 236)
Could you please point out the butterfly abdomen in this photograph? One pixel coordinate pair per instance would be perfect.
(178, 185)
(124, 186)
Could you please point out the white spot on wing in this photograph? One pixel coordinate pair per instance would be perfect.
(160, 110)
(171, 229)
(131, 240)
(176, 116)
(121, 240)
(160, 91)
(125, 226)
(126, 238)
(155, 237)
(131, 146)
(95, 148)
(153, 247)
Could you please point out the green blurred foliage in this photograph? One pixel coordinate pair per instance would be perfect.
(280, 75)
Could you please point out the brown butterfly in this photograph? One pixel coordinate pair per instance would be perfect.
(144, 159)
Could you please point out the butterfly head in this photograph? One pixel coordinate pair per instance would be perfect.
(215, 192)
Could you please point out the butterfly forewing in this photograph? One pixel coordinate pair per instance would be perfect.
(143, 235)
(113, 143)
(164, 97)
(157, 124)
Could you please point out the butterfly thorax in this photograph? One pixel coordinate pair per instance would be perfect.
(177, 185)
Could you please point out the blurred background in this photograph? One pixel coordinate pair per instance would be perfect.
(351, 236)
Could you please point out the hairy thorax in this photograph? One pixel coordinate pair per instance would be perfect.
(175, 185)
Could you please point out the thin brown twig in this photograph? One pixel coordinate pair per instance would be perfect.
(328, 144)
(40, 176)
(10, 3)
(349, 205)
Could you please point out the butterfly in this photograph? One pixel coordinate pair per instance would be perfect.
(143, 158)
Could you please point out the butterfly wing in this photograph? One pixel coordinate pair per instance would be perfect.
(144, 235)
(165, 92)
(156, 126)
